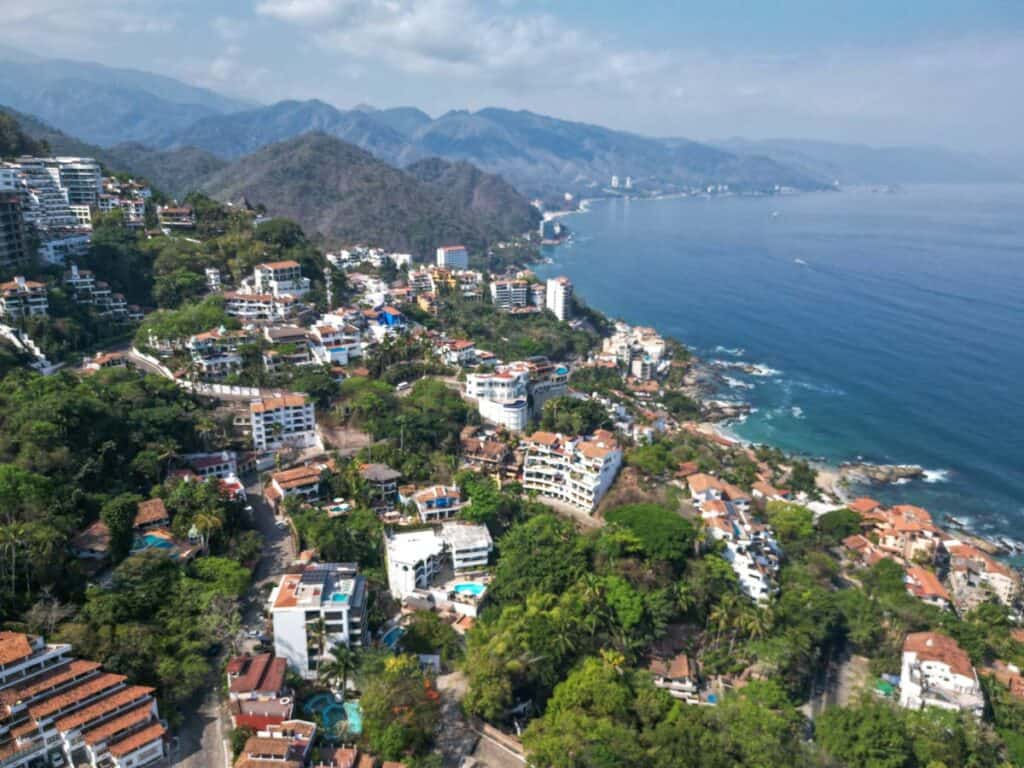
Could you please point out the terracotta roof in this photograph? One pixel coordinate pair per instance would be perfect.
(549, 439)
(79, 693)
(910, 512)
(597, 448)
(63, 674)
(274, 403)
(297, 477)
(700, 483)
(14, 646)
(257, 745)
(925, 584)
(435, 492)
(129, 719)
(258, 673)
(932, 646)
(137, 740)
(863, 504)
(715, 508)
(677, 669)
(275, 265)
(250, 762)
(733, 492)
(687, 468)
(151, 511)
(103, 707)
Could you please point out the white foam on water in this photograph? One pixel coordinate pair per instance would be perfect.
(936, 475)
(797, 411)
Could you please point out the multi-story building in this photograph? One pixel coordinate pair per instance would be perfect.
(677, 676)
(975, 576)
(22, 298)
(288, 420)
(437, 503)
(508, 294)
(453, 257)
(80, 176)
(213, 280)
(381, 485)
(300, 482)
(280, 278)
(331, 596)
(502, 397)
(57, 710)
(258, 695)
(58, 246)
(559, 297)
(254, 306)
(13, 244)
(575, 470)
(216, 352)
(937, 672)
(417, 558)
(176, 216)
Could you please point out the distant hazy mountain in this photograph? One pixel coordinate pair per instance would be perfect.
(346, 194)
(234, 135)
(538, 154)
(104, 105)
(860, 164)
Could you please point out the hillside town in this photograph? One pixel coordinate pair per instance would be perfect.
(432, 506)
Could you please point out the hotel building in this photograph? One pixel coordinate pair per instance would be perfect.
(279, 421)
(575, 470)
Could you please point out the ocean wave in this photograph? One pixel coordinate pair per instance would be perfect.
(936, 475)
(737, 384)
(901, 481)
(797, 411)
(824, 389)
(734, 351)
(763, 371)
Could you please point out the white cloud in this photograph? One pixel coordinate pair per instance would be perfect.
(60, 27)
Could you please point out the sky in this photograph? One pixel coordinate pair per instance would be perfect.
(921, 72)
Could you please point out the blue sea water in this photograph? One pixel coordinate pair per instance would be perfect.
(889, 326)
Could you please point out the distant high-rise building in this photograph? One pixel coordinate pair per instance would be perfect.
(453, 257)
(629, 182)
(615, 182)
(559, 297)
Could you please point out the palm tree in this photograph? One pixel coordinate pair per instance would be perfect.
(339, 667)
(318, 634)
(206, 523)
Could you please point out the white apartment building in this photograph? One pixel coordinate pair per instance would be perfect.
(58, 246)
(214, 284)
(80, 176)
(254, 306)
(502, 396)
(575, 470)
(559, 297)
(216, 352)
(280, 278)
(438, 503)
(23, 298)
(288, 420)
(332, 593)
(453, 257)
(937, 672)
(416, 558)
(61, 711)
(508, 294)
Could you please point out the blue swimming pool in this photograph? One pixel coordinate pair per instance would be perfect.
(392, 636)
(331, 711)
(353, 718)
(339, 597)
(473, 588)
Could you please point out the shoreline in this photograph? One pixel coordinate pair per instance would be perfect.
(843, 481)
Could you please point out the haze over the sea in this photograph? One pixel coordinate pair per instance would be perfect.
(890, 326)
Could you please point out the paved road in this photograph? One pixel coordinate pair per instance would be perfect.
(202, 738)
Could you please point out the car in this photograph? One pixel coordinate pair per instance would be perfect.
(282, 524)
(248, 508)
(253, 634)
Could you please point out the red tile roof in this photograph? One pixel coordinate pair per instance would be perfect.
(137, 740)
(932, 646)
(150, 512)
(258, 673)
(14, 646)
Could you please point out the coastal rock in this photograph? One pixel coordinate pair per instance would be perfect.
(880, 474)
(723, 410)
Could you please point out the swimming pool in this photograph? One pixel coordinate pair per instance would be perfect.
(339, 597)
(392, 636)
(329, 710)
(473, 588)
(353, 718)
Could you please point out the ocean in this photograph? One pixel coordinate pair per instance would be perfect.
(885, 326)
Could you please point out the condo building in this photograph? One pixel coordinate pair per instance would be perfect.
(559, 297)
(575, 470)
(288, 420)
(453, 257)
(56, 710)
(323, 596)
(22, 298)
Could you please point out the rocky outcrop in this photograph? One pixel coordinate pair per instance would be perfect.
(880, 474)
